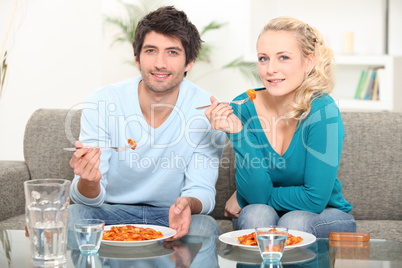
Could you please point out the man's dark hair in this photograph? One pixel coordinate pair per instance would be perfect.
(170, 22)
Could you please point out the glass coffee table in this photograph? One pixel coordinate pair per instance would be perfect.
(201, 251)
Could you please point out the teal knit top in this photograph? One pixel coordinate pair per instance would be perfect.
(305, 176)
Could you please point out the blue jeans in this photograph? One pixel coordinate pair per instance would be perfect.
(138, 214)
(320, 225)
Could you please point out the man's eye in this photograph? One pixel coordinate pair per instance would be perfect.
(173, 52)
(150, 50)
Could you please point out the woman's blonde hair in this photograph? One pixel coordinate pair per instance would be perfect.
(321, 78)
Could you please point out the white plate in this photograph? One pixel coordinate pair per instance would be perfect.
(155, 250)
(238, 255)
(231, 239)
(167, 232)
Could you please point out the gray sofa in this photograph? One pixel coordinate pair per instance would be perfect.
(371, 168)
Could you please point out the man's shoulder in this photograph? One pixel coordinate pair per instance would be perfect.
(194, 94)
(195, 89)
(115, 89)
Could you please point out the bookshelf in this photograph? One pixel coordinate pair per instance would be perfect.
(348, 71)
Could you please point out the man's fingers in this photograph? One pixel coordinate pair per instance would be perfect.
(87, 163)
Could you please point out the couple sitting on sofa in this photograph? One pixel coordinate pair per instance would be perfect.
(288, 141)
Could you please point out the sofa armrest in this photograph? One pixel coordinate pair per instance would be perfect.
(12, 177)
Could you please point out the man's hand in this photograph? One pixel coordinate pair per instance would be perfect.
(85, 163)
(232, 208)
(180, 215)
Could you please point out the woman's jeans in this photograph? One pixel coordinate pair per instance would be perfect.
(138, 214)
(320, 225)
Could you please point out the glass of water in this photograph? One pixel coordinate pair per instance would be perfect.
(88, 233)
(271, 242)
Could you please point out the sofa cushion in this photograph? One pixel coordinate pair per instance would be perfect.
(225, 185)
(46, 133)
(380, 229)
(370, 168)
(12, 177)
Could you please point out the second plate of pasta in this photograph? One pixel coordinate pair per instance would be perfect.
(231, 239)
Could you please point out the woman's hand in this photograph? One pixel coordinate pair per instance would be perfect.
(222, 118)
(232, 208)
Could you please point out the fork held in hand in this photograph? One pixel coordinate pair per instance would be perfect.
(117, 149)
(238, 102)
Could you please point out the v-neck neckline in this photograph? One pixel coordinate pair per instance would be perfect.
(169, 119)
(265, 138)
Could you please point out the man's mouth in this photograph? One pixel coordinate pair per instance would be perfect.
(160, 75)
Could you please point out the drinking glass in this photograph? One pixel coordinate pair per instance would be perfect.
(271, 242)
(46, 215)
(88, 233)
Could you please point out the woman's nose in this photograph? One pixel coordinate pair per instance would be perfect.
(272, 67)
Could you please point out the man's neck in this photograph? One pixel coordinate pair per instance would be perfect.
(156, 107)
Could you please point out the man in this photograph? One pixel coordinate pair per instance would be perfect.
(169, 179)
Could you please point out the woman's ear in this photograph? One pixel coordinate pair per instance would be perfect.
(310, 62)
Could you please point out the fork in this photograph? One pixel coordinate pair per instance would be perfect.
(238, 102)
(117, 149)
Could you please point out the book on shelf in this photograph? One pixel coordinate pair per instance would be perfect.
(360, 85)
(369, 84)
(379, 83)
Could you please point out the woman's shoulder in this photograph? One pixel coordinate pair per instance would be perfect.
(323, 102)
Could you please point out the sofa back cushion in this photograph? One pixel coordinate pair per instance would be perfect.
(370, 168)
(47, 132)
(371, 165)
(225, 185)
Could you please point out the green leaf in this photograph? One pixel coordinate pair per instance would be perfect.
(247, 68)
(213, 25)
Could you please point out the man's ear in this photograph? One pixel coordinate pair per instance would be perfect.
(189, 66)
(137, 62)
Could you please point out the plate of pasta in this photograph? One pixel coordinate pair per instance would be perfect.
(129, 235)
(245, 239)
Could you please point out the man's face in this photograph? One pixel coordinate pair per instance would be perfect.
(162, 62)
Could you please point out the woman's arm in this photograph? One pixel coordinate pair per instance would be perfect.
(322, 137)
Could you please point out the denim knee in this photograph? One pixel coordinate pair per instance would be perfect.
(256, 215)
(203, 225)
(330, 220)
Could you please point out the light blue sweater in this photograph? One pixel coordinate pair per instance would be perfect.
(179, 158)
(305, 176)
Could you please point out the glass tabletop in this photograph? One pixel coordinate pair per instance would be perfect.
(201, 251)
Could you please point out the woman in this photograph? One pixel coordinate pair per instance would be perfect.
(288, 141)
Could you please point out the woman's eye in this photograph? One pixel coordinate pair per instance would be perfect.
(284, 58)
(262, 59)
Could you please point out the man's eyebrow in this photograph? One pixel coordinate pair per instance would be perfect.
(175, 48)
(168, 48)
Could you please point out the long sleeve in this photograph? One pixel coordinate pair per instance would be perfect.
(321, 134)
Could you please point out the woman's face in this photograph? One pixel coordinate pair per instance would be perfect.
(281, 64)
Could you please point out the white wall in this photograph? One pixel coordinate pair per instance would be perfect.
(54, 50)
(59, 50)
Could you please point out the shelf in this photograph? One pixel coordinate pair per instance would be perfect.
(348, 70)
